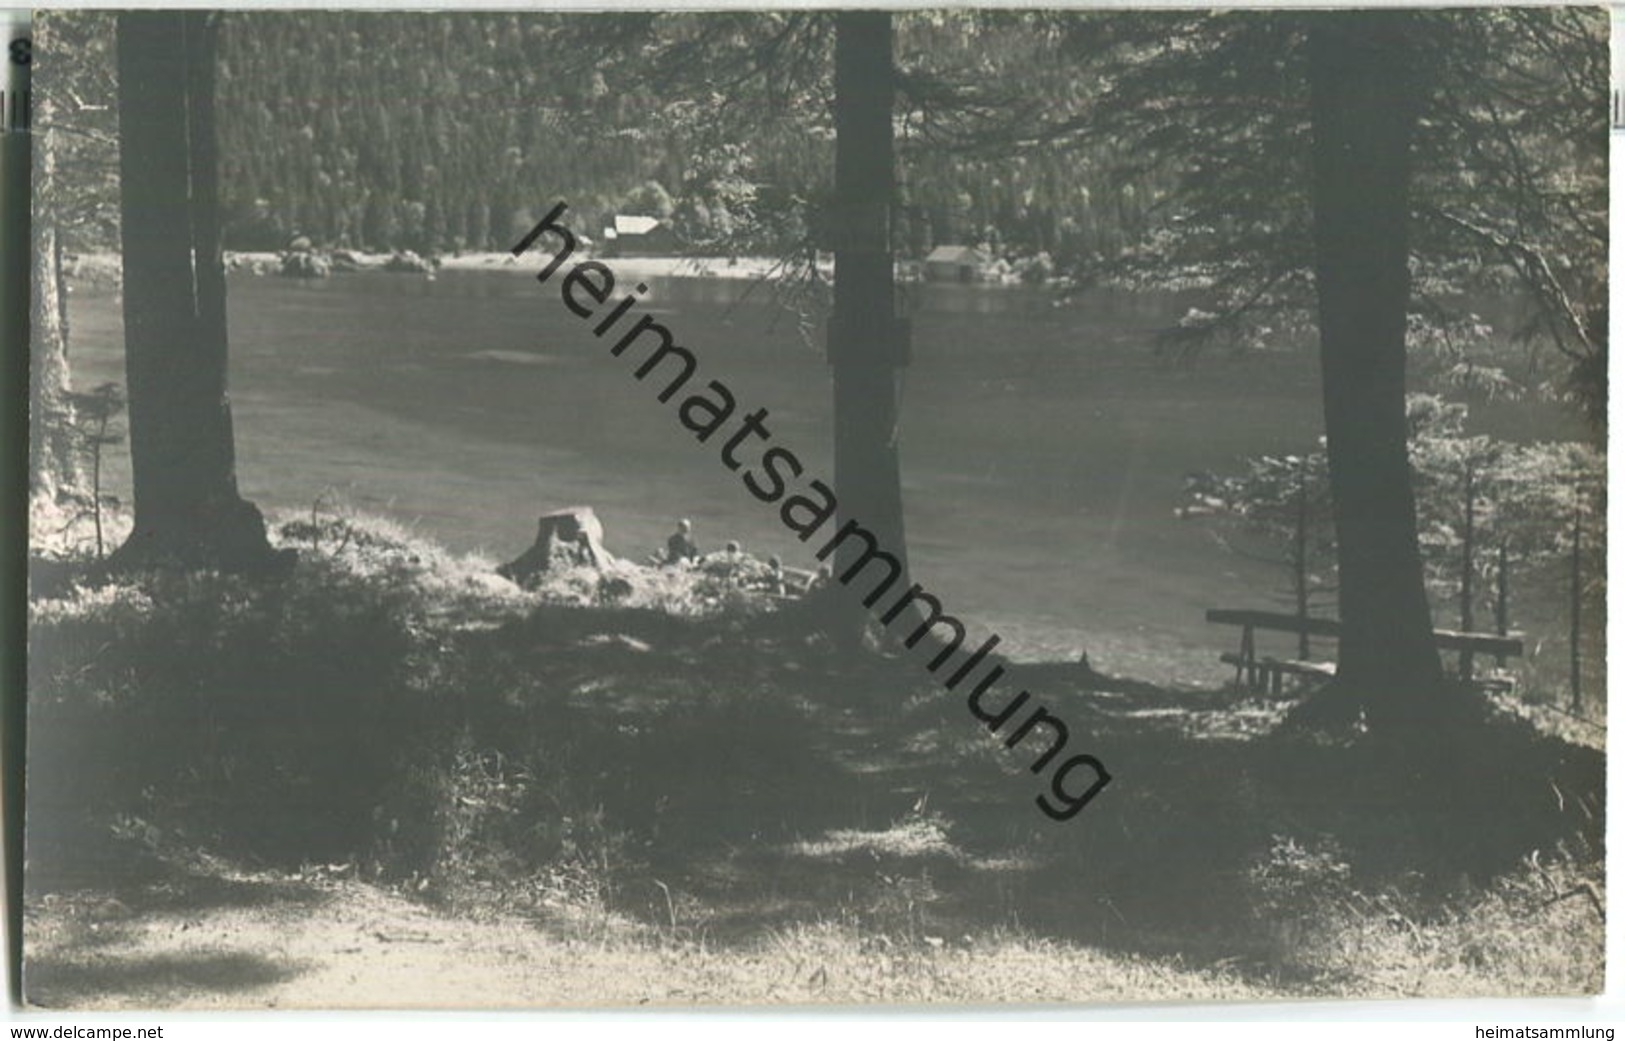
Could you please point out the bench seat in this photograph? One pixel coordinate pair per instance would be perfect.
(1258, 672)
(1274, 670)
(1272, 673)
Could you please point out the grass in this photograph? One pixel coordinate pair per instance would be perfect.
(677, 769)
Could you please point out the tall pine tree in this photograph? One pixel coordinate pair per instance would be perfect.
(187, 508)
(1364, 100)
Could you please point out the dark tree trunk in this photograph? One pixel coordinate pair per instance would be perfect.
(1575, 601)
(866, 341)
(1364, 98)
(1300, 560)
(15, 254)
(1464, 666)
(187, 509)
(1502, 615)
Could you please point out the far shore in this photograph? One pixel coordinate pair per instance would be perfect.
(642, 267)
(102, 267)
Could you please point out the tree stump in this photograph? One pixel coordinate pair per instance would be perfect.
(571, 537)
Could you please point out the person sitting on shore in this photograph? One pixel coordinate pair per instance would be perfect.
(680, 546)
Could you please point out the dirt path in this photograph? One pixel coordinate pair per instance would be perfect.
(266, 941)
(270, 944)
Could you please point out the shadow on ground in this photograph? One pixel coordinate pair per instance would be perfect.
(86, 924)
(879, 801)
(61, 982)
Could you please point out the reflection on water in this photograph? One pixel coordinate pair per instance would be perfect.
(1043, 447)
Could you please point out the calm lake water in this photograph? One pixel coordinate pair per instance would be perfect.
(1043, 448)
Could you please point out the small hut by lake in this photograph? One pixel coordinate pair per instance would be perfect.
(635, 236)
(956, 264)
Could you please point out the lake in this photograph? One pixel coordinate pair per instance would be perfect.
(1043, 447)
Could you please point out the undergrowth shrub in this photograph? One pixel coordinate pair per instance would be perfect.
(1534, 929)
(1297, 898)
(563, 798)
(399, 708)
(270, 716)
(510, 835)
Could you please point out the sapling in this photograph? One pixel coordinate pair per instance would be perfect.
(95, 412)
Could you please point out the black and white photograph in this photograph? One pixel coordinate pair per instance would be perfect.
(782, 507)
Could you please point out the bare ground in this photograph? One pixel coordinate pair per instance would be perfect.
(274, 941)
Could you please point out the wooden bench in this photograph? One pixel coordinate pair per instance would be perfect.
(1267, 674)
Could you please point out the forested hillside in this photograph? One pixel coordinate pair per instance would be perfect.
(441, 133)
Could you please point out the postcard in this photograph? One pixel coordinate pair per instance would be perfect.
(803, 507)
